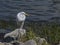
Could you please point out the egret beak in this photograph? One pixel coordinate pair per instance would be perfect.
(26, 14)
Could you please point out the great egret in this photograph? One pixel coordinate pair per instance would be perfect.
(21, 16)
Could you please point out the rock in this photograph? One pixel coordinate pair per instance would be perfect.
(1, 43)
(21, 43)
(30, 42)
(17, 43)
(59, 43)
(41, 41)
(8, 44)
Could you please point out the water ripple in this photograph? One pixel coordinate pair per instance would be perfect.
(43, 9)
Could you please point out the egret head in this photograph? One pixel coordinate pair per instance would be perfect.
(23, 13)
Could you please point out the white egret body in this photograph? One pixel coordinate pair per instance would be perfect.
(20, 31)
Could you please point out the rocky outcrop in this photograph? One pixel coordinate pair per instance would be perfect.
(35, 41)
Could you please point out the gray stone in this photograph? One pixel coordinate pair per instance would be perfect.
(7, 43)
(30, 42)
(21, 43)
(1, 43)
(41, 41)
(17, 43)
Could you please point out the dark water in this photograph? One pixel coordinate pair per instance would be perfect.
(46, 10)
